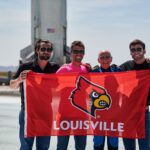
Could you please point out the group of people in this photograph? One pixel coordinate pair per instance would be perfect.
(41, 64)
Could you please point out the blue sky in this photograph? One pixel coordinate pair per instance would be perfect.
(100, 24)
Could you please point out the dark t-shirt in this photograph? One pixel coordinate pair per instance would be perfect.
(50, 68)
(131, 65)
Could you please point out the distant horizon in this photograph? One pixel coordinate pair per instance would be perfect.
(8, 68)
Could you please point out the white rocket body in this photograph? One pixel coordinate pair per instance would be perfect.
(48, 22)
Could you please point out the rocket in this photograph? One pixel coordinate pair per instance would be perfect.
(48, 22)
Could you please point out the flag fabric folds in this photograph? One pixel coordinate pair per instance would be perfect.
(110, 104)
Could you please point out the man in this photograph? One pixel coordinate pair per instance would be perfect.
(137, 51)
(41, 64)
(77, 54)
(105, 59)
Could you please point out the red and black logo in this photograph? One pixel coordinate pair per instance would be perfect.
(89, 97)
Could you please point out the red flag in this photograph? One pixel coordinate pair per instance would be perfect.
(110, 104)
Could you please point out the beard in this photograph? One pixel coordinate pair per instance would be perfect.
(44, 57)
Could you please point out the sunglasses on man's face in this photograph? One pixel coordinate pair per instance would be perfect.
(136, 49)
(104, 57)
(78, 51)
(44, 49)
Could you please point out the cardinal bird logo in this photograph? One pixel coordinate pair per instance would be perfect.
(89, 97)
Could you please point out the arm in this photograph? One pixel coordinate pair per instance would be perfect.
(128, 65)
(88, 66)
(15, 83)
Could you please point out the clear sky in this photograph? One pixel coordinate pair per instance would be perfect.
(100, 24)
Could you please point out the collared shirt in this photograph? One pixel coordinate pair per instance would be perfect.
(113, 68)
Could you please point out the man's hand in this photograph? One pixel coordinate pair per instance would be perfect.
(88, 66)
(16, 82)
(23, 75)
(148, 60)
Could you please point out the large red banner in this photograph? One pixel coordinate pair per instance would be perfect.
(110, 104)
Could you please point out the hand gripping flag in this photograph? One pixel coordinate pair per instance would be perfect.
(110, 104)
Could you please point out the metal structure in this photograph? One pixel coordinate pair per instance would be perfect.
(48, 22)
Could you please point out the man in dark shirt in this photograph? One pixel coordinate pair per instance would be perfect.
(137, 51)
(41, 64)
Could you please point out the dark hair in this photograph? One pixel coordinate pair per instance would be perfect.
(77, 43)
(38, 44)
(135, 42)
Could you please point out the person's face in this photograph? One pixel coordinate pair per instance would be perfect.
(77, 54)
(44, 52)
(105, 60)
(137, 52)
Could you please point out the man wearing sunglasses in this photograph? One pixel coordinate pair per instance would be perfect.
(77, 54)
(41, 64)
(105, 59)
(137, 51)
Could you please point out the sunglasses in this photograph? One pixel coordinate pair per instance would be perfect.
(43, 49)
(136, 50)
(105, 57)
(78, 51)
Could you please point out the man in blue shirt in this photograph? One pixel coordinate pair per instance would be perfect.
(105, 59)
